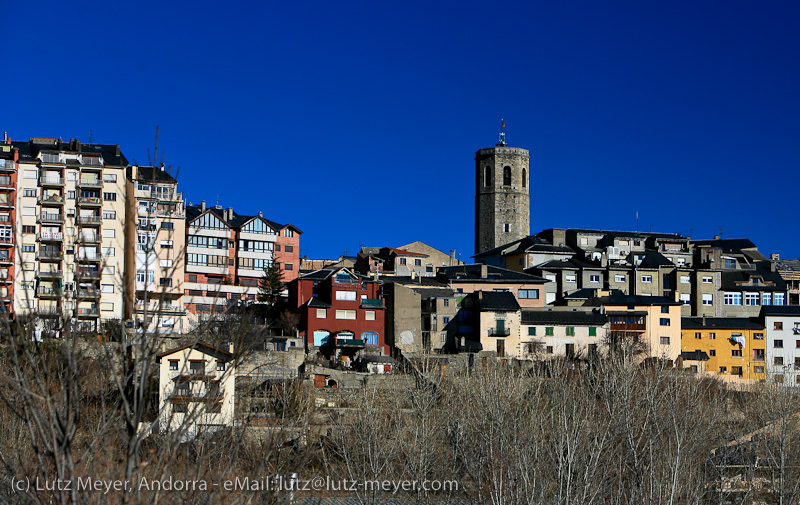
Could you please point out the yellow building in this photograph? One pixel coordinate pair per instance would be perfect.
(735, 347)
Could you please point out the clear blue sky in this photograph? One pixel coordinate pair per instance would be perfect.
(358, 121)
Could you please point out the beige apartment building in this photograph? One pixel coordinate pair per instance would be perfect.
(70, 229)
(158, 233)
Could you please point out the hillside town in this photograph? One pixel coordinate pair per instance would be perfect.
(220, 311)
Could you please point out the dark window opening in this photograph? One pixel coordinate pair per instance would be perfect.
(506, 176)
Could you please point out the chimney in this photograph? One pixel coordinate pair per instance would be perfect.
(16, 154)
(116, 150)
(716, 237)
(775, 257)
(704, 320)
(202, 205)
(260, 214)
(484, 270)
(229, 213)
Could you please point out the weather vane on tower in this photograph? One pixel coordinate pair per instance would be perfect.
(502, 133)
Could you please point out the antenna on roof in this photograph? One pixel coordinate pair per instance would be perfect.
(91, 137)
(155, 154)
(637, 221)
(502, 140)
(720, 231)
(218, 195)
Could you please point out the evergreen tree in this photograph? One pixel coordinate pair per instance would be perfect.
(270, 289)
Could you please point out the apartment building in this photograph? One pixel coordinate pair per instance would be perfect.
(158, 230)
(226, 255)
(782, 327)
(735, 347)
(8, 218)
(570, 332)
(70, 228)
(196, 388)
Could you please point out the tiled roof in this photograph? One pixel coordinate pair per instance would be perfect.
(732, 323)
(472, 273)
(497, 301)
(780, 310)
(563, 317)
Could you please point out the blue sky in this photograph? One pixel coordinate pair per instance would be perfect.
(358, 121)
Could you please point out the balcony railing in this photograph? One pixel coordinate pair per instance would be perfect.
(499, 332)
(86, 312)
(155, 308)
(48, 217)
(89, 182)
(50, 236)
(350, 342)
(45, 255)
(90, 220)
(90, 200)
(48, 292)
(372, 302)
(85, 273)
(87, 293)
(91, 161)
(51, 181)
(50, 274)
(88, 239)
(6, 241)
(52, 200)
(88, 257)
(7, 165)
(628, 326)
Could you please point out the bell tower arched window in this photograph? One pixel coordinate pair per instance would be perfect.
(487, 176)
(524, 178)
(506, 176)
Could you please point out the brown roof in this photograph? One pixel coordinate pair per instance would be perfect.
(199, 345)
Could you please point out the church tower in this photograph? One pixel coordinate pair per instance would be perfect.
(502, 197)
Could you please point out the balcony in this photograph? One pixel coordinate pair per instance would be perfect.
(49, 255)
(6, 241)
(50, 218)
(48, 293)
(5, 259)
(88, 239)
(87, 312)
(163, 309)
(57, 182)
(50, 236)
(88, 258)
(51, 201)
(87, 293)
(350, 342)
(499, 332)
(91, 162)
(50, 274)
(796, 330)
(8, 166)
(628, 326)
(86, 274)
(371, 302)
(90, 201)
(192, 375)
(89, 220)
(90, 183)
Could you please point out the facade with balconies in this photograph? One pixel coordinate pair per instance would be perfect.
(196, 388)
(159, 238)
(9, 157)
(71, 208)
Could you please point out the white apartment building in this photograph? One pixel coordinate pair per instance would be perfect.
(159, 235)
(782, 327)
(70, 228)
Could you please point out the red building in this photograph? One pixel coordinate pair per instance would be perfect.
(341, 313)
(9, 157)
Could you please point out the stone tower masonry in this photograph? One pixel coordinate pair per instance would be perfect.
(502, 195)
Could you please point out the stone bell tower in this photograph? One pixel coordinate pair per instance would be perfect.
(502, 195)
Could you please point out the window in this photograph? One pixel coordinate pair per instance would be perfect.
(592, 331)
(751, 299)
(619, 278)
(686, 298)
(109, 177)
(369, 315)
(111, 197)
(506, 176)
(29, 192)
(707, 280)
(664, 321)
(288, 267)
(346, 295)
(730, 263)
(107, 307)
(708, 299)
(778, 325)
(165, 263)
(220, 366)
(758, 336)
(736, 353)
(109, 270)
(26, 211)
(487, 176)
(417, 262)
(345, 314)
(445, 320)
(664, 340)
(733, 298)
(322, 313)
(173, 364)
(665, 309)
(712, 352)
(107, 288)
(777, 344)
(594, 278)
(166, 244)
(165, 282)
(532, 330)
(109, 233)
(529, 293)
(736, 370)
(288, 233)
(524, 178)
(29, 174)
(548, 331)
(723, 369)
(778, 379)
(778, 299)
(28, 248)
(28, 229)
(108, 251)
(570, 278)
(647, 278)
(288, 249)
(685, 279)
(507, 228)
(446, 302)
(402, 261)
(797, 344)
